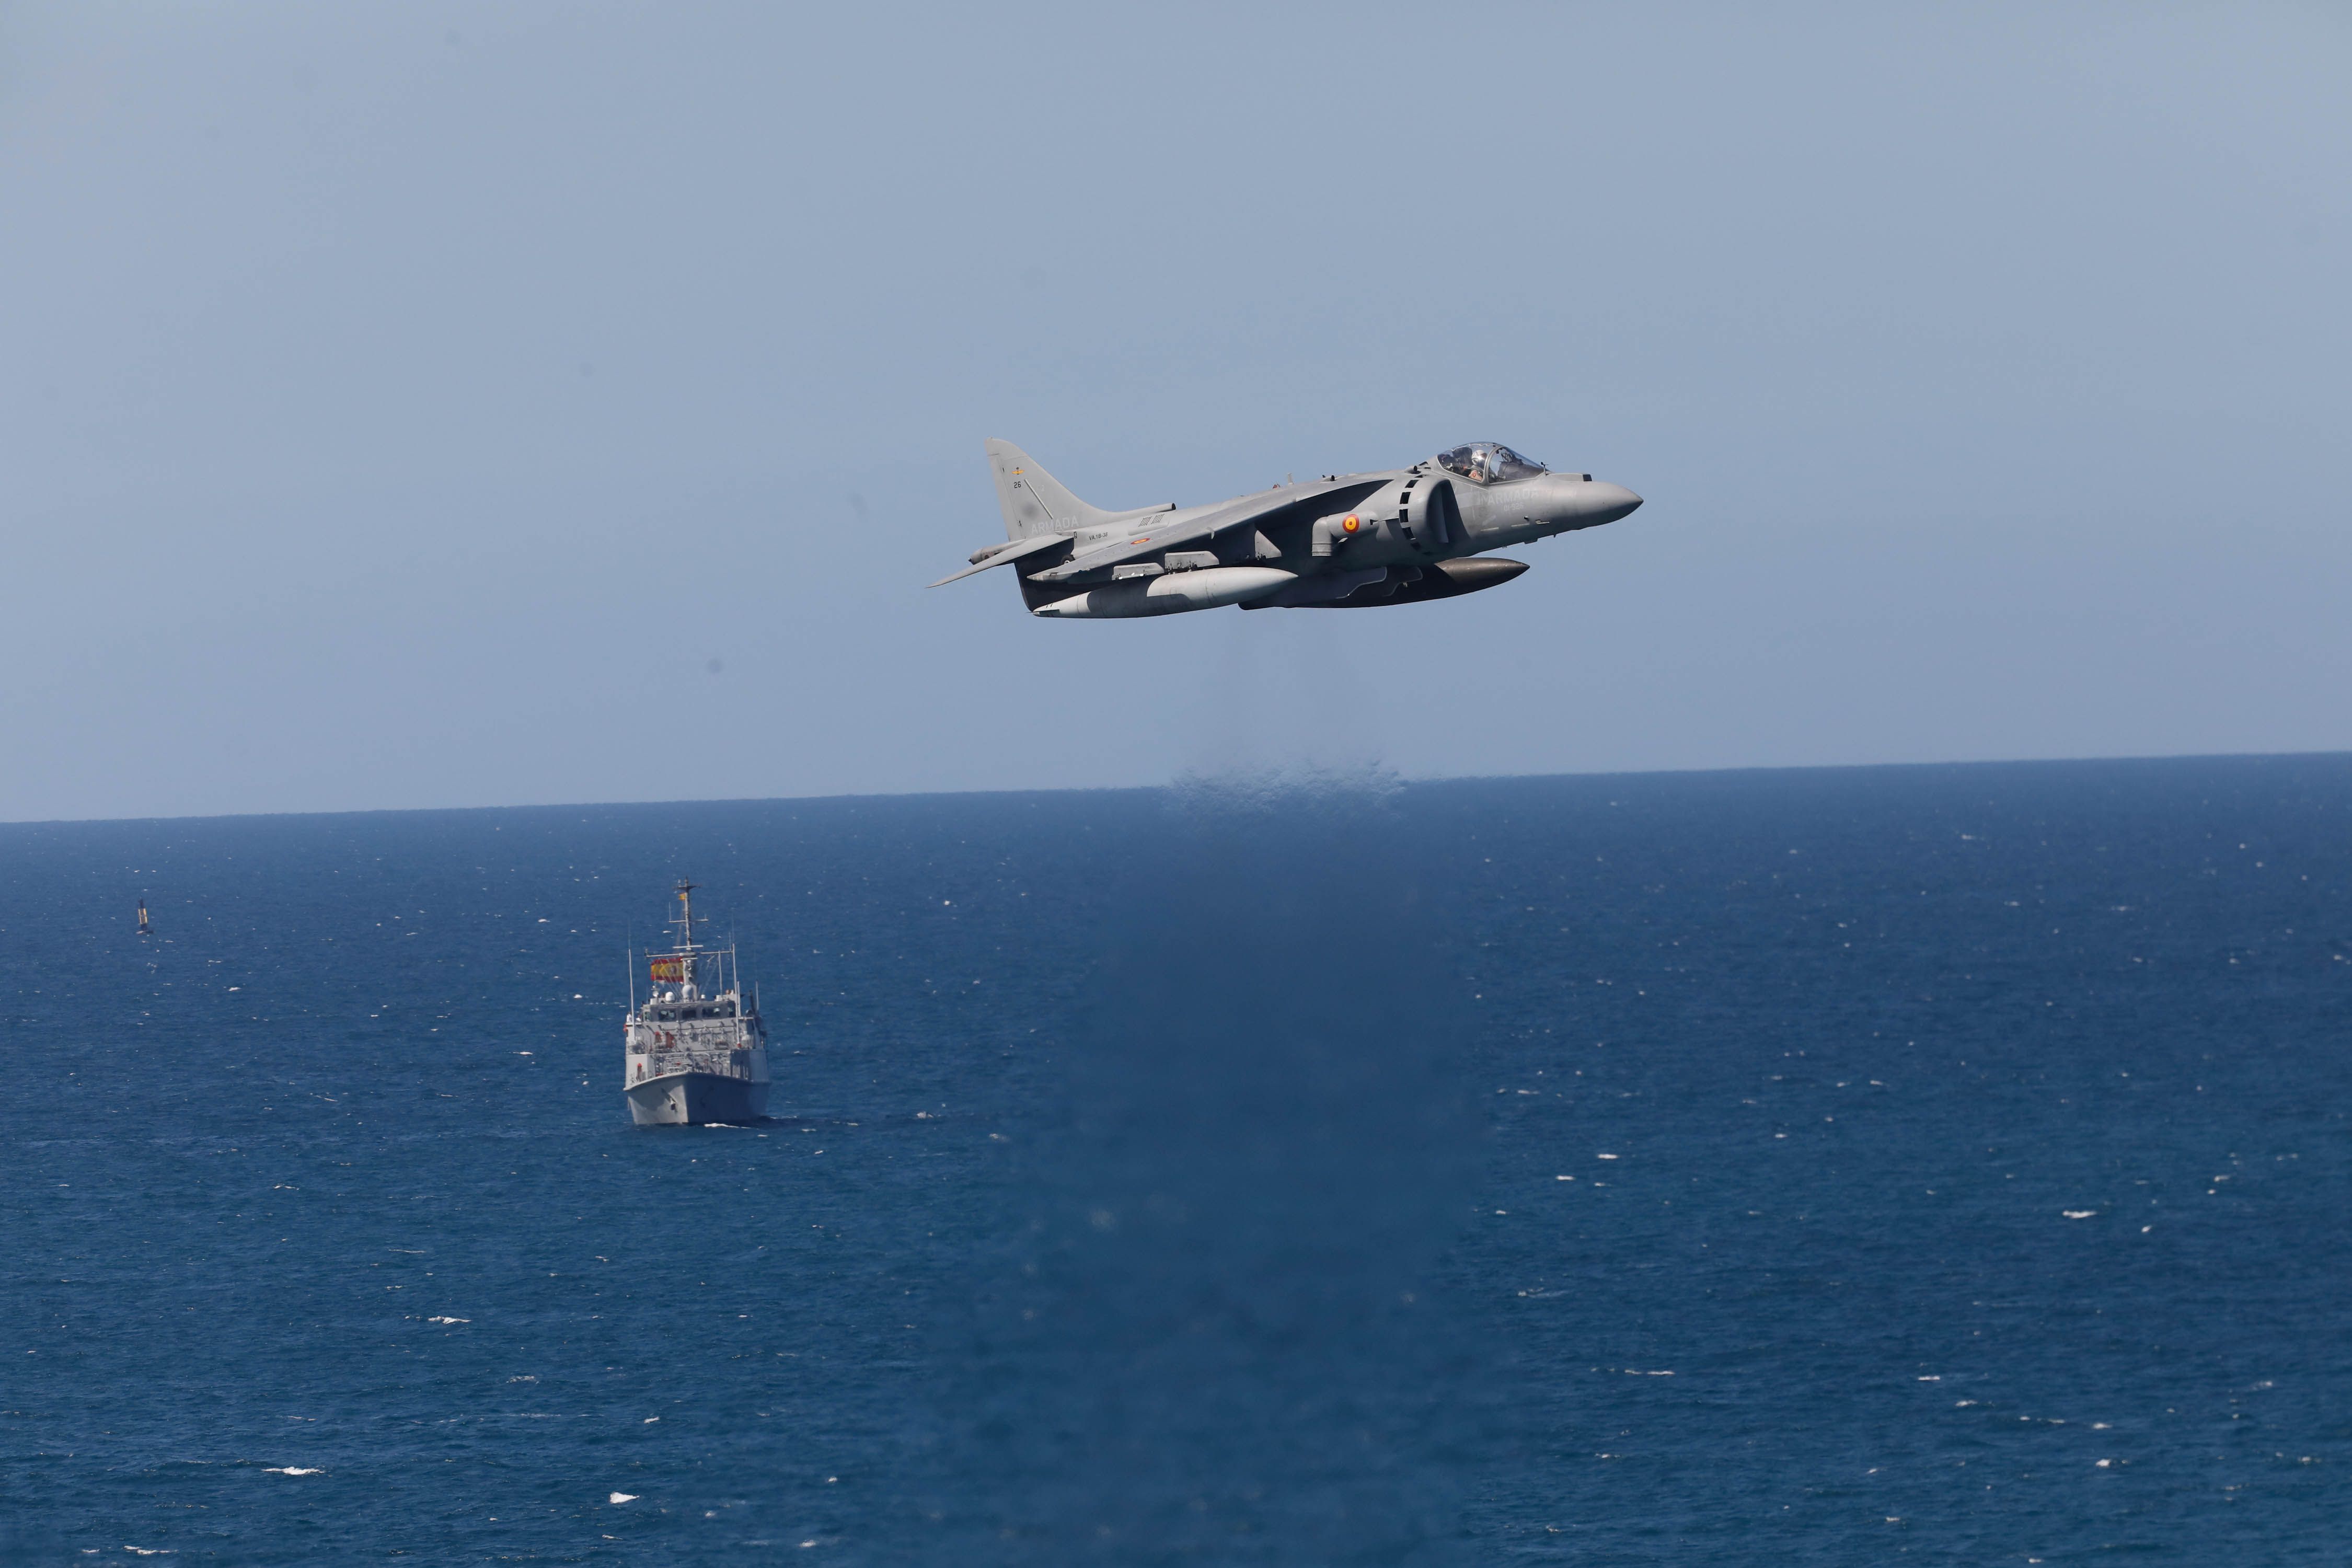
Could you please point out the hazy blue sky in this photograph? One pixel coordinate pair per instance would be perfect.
(407, 404)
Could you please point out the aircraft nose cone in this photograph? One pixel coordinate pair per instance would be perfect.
(1607, 503)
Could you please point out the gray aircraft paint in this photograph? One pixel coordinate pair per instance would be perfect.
(1035, 502)
(1346, 540)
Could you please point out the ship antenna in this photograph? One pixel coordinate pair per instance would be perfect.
(690, 963)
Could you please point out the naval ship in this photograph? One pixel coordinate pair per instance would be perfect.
(697, 1049)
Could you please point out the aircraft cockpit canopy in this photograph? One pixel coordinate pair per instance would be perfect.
(1487, 462)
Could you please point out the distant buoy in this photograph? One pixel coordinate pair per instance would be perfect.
(142, 919)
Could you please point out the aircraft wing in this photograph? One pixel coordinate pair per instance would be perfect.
(1285, 503)
(1029, 546)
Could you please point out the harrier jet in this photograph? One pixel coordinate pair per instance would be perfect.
(1345, 542)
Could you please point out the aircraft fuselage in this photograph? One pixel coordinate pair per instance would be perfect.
(1346, 541)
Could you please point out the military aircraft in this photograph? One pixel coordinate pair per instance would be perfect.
(1344, 541)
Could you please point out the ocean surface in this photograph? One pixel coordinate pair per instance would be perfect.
(1935, 1164)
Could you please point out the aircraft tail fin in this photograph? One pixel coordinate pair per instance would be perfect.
(1034, 502)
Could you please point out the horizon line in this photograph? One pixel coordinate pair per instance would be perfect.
(1275, 774)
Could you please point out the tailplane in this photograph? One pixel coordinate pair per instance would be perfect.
(1034, 502)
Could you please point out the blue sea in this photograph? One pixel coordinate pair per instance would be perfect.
(1927, 1165)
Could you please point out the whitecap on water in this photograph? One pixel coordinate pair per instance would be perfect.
(287, 1470)
(622, 1497)
(2078, 1214)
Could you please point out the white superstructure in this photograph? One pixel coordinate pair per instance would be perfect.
(697, 1050)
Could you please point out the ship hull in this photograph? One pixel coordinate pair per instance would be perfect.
(688, 1098)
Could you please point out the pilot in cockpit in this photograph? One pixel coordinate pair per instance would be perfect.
(1487, 462)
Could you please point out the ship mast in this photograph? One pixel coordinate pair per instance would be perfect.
(685, 923)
